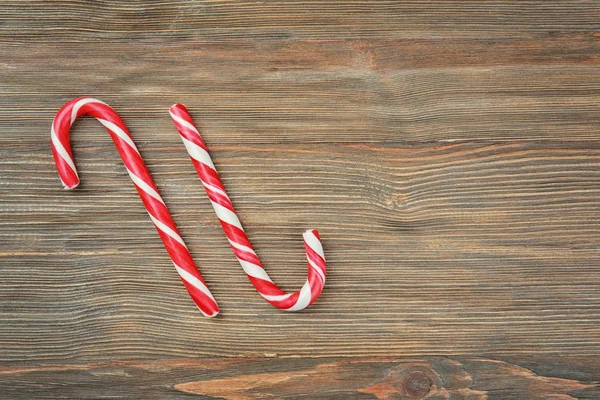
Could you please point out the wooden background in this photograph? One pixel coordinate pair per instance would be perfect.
(447, 151)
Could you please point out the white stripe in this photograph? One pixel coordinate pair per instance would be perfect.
(144, 186)
(195, 282)
(303, 299)
(80, 104)
(167, 230)
(65, 185)
(198, 153)
(275, 298)
(241, 247)
(63, 153)
(254, 270)
(214, 189)
(314, 243)
(317, 269)
(205, 314)
(184, 122)
(225, 214)
(119, 132)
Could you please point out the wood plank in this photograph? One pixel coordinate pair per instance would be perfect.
(461, 248)
(446, 150)
(78, 20)
(461, 378)
(265, 91)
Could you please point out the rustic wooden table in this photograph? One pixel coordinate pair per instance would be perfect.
(448, 152)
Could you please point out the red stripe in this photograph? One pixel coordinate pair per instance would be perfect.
(62, 123)
(287, 303)
(191, 135)
(246, 256)
(66, 173)
(220, 199)
(204, 302)
(209, 175)
(266, 287)
(315, 257)
(235, 234)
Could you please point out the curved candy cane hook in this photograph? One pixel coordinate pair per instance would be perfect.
(63, 157)
(235, 232)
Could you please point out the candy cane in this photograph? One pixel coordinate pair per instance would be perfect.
(63, 157)
(235, 232)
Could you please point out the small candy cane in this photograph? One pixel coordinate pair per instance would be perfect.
(235, 233)
(63, 157)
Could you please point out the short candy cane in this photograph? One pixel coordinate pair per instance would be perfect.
(63, 157)
(235, 233)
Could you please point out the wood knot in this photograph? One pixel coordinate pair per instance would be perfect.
(407, 382)
(416, 384)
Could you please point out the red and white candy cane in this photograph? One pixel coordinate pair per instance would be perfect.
(235, 232)
(63, 157)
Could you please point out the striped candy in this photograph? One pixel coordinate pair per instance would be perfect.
(235, 233)
(63, 157)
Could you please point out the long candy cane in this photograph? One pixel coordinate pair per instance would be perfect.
(63, 157)
(235, 233)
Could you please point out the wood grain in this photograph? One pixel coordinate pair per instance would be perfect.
(434, 245)
(78, 20)
(448, 152)
(386, 378)
(320, 92)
